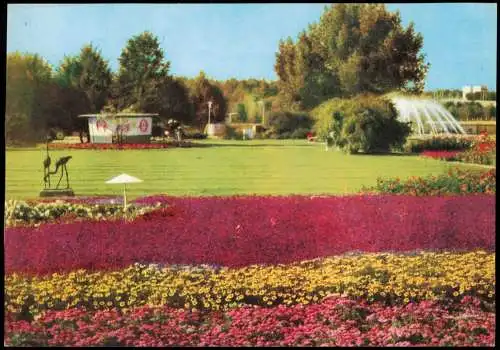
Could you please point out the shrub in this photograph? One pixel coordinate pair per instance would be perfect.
(285, 124)
(363, 124)
(232, 134)
(284, 135)
(196, 136)
(18, 131)
(439, 143)
(476, 157)
(454, 182)
(300, 133)
(470, 110)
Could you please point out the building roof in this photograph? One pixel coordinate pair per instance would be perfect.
(118, 115)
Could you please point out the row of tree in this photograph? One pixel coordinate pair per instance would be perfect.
(458, 94)
(471, 110)
(353, 49)
(481, 96)
(39, 98)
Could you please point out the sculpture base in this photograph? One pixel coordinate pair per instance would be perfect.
(49, 192)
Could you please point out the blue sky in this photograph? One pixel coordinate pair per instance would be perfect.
(240, 40)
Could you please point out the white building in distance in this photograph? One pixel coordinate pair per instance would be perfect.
(473, 89)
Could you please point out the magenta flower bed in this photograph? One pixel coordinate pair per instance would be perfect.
(238, 231)
(334, 322)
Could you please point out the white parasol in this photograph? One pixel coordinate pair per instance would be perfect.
(124, 179)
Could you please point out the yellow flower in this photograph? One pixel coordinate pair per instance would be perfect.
(294, 283)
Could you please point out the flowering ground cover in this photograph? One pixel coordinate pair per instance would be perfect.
(225, 231)
(483, 151)
(122, 283)
(468, 149)
(388, 278)
(336, 321)
(21, 213)
(457, 181)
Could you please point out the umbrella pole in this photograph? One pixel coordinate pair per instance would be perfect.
(124, 197)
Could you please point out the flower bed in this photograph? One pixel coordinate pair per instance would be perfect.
(34, 213)
(117, 146)
(389, 278)
(469, 149)
(483, 151)
(455, 181)
(443, 155)
(334, 322)
(226, 231)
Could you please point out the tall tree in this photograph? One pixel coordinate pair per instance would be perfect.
(142, 70)
(172, 101)
(201, 92)
(353, 49)
(84, 84)
(290, 81)
(28, 75)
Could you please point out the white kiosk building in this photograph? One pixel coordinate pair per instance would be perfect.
(120, 127)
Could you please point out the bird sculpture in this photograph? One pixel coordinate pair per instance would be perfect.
(61, 163)
(46, 167)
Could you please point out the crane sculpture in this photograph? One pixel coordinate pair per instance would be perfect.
(46, 167)
(61, 163)
(60, 167)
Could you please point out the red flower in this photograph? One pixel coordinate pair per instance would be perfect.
(115, 146)
(440, 154)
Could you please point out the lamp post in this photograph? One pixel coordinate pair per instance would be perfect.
(261, 102)
(209, 110)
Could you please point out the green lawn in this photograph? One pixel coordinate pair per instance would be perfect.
(228, 167)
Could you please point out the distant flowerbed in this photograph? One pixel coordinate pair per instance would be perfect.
(117, 146)
(483, 151)
(469, 149)
(444, 155)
